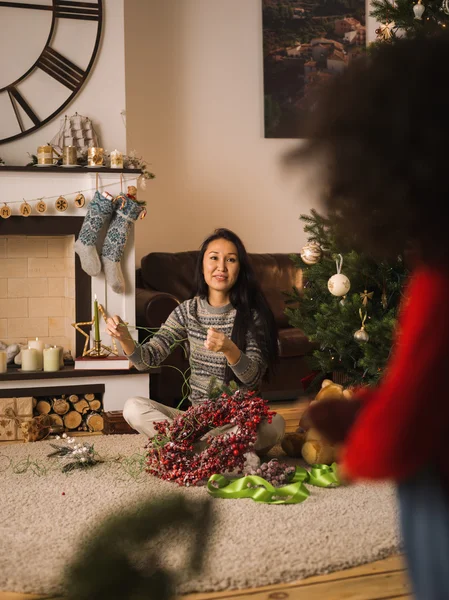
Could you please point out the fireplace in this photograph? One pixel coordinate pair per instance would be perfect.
(52, 289)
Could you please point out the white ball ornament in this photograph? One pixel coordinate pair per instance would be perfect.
(339, 285)
(311, 253)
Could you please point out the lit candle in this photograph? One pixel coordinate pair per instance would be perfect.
(97, 322)
(3, 361)
(31, 359)
(116, 160)
(51, 358)
(38, 345)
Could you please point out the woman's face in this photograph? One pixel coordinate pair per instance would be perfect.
(221, 265)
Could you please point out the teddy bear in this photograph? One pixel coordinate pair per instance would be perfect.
(306, 441)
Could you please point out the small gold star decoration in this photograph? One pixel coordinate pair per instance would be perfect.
(97, 350)
(365, 296)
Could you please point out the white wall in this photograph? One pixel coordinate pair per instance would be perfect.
(194, 94)
(102, 97)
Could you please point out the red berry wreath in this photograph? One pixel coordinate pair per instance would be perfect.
(171, 453)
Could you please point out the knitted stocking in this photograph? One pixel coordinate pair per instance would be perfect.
(115, 241)
(99, 212)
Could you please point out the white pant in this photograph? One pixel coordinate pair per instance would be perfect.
(141, 414)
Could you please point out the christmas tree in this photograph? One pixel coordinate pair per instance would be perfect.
(402, 17)
(353, 330)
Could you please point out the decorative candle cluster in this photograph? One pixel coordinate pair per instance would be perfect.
(173, 453)
(38, 357)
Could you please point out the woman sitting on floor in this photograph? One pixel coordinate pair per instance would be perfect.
(230, 333)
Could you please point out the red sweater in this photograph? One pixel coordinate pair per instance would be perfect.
(404, 422)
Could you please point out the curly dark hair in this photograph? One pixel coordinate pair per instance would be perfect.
(252, 310)
(381, 131)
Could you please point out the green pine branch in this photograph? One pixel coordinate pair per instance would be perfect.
(330, 322)
(434, 19)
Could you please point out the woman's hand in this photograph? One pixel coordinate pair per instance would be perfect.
(219, 342)
(117, 329)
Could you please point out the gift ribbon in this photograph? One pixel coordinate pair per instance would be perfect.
(292, 493)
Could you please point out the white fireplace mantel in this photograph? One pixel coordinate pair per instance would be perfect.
(50, 183)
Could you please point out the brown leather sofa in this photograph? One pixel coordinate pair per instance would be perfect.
(166, 279)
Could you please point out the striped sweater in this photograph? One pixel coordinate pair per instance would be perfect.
(189, 322)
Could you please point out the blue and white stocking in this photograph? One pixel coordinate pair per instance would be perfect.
(117, 236)
(98, 214)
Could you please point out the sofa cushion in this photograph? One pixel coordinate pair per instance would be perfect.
(293, 342)
(174, 273)
(171, 272)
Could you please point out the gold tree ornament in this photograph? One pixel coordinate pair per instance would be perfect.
(80, 200)
(311, 253)
(385, 30)
(41, 206)
(61, 204)
(25, 209)
(365, 296)
(5, 211)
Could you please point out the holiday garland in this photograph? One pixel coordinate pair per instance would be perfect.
(175, 453)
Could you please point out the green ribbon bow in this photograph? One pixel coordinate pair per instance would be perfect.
(292, 493)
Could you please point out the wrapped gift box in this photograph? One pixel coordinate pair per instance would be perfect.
(22, 408)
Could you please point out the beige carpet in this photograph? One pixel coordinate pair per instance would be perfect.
(43, 515)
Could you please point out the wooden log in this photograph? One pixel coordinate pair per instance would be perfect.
(89, 397)
(81, 406)
(95, 404)
(56, 420)
(43, 407)
(72, 419)
(60, 406)
(95, 422)
(73, 398)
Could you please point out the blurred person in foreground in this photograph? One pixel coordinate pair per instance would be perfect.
(378, 139)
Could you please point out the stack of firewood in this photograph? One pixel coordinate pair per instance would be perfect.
(71, 413)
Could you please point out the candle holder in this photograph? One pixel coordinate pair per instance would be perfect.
(98, 350)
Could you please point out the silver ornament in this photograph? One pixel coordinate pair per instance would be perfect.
(418, 10)
(311, 253)
(361, 335)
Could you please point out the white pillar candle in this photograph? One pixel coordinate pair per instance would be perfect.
(30, 359)
(38, 345)
(116, 160)
(51, 359)
(3, 361)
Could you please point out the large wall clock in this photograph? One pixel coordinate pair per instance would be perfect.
(47, 49)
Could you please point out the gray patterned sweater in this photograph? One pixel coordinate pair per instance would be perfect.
(189, 322)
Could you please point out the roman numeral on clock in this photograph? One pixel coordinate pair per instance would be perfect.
(60, 68)
(64, 9)
(16, 98)
(68, 9)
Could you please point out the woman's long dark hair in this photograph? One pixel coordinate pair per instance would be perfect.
(249, 301)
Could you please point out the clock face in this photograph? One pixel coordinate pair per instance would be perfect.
(47, 49)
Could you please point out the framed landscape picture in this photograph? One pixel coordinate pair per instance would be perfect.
(305, 42)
